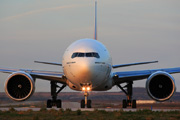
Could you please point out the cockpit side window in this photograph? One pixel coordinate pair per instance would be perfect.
(74, 55)
(89, 54)
(96, 55)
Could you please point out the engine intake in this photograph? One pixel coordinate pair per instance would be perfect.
(19, 86)
(160, 86)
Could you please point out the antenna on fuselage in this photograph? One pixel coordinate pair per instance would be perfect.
(95, 31)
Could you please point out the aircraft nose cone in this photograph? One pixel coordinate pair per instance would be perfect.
(86, 72)
(89, 72)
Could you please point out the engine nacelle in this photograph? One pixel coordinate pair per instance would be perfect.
(19, 86)
(160, 86)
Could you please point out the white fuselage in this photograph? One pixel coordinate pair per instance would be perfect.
(87, 62)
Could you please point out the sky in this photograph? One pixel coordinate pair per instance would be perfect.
(132, 31)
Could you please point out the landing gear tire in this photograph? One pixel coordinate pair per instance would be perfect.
(89, 104)
(82, 103)
(58, 103)
(49, 103)
(129, 93)
(124, 103)
(133, 103)
(54, 92)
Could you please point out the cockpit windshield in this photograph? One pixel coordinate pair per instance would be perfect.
(89, 54)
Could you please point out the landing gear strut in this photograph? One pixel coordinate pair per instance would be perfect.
(55, 101)
(86, 102)
(129, 93)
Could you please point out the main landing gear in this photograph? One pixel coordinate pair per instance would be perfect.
(85, 102)
(129, 93)
(55, 101)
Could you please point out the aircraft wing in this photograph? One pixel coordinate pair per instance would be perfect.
(50, 63)
(122, 77)
(46, 75)
(132, 64)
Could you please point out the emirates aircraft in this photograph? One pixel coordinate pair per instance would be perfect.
(87, 66)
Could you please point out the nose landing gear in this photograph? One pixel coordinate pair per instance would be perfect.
(86, 102)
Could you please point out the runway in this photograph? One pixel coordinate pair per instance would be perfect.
(74, 106)
(86, 109)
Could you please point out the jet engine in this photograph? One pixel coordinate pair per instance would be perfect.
(160, 86)
(19, 86)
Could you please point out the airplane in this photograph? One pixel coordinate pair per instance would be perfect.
(87, 66)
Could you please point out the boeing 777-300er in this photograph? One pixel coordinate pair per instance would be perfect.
(87, 66)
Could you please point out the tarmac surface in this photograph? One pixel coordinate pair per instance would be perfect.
(74, 106)
(85, 109)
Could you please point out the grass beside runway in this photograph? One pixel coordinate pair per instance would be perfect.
(68, 114)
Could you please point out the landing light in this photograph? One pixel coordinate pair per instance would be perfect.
(86, 88)
(83, 88)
